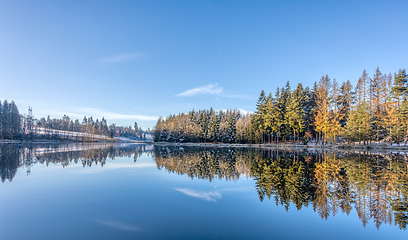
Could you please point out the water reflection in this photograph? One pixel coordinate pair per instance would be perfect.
(13, 156)
(374, 185)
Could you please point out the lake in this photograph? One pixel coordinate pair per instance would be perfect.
(138, 191)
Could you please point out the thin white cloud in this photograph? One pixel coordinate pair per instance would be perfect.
(212, 89)
(122, 57)
(242, 111)
(99, 113)
(79, 169)
(206, 196)
(245, 112)
(119, 225)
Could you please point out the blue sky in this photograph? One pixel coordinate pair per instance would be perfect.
(136, 60)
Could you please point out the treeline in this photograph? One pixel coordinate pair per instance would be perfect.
(202, 126)
(90, 126)
(16, 126)
(376, 110)
(9, 120)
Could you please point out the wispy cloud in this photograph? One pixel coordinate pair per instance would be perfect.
(245, 112)
(99, 113)
(109, 166)
(122, 57)
(206, 196)
(119, 225)
(242, 111)
(212, 89)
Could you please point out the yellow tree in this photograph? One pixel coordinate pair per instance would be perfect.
(322, 120)
(335, 116)
(377, 89)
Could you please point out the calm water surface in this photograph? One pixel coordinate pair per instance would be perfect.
(88, 191)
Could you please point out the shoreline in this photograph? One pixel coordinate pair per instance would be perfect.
(340, 147)
(4, 141)
(343, 147)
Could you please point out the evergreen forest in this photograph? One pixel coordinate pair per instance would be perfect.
(329, 112)
(16, 126)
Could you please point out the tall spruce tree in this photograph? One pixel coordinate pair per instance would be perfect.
(214, 128)
(346, 98)
(335, 116)
(14, 121)
(377, 92)
(6, 120)
(259, 115)
(322, 120)
(400, 91)
(1, 120)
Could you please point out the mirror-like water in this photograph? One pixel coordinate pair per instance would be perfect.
(89, 191)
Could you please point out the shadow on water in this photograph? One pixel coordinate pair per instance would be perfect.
(375, 186)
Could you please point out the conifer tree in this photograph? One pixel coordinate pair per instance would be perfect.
(1, 120)
(268, 117)
(322, 120)
(346, 98)
(214, 128)
(400, 91)
(335, 115)
(249, 132)
(310, 110)
(260, 111)
(278, 114)
(15, 121)
(377, 94)
(362, 108)
(5, 120)
(294, 112)
(231, 127)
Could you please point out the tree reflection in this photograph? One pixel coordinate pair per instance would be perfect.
(374, 185)
(8, 161)
(13, 156)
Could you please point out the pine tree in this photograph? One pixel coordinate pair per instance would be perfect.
(15, 121)
(249, 132)
(294, 111)
(278, 113)
(362, 108)
(351, 129)
(214, 128)
(1, 120)
(377, 94)
(260, 111)
(400, 91)
(335, 116)
(309, 109)
(203, 123)
(286, 92)
(6, 120)
(346, 98)
(231, 128)
(390, 107)
(268, 117)
(322, 120)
